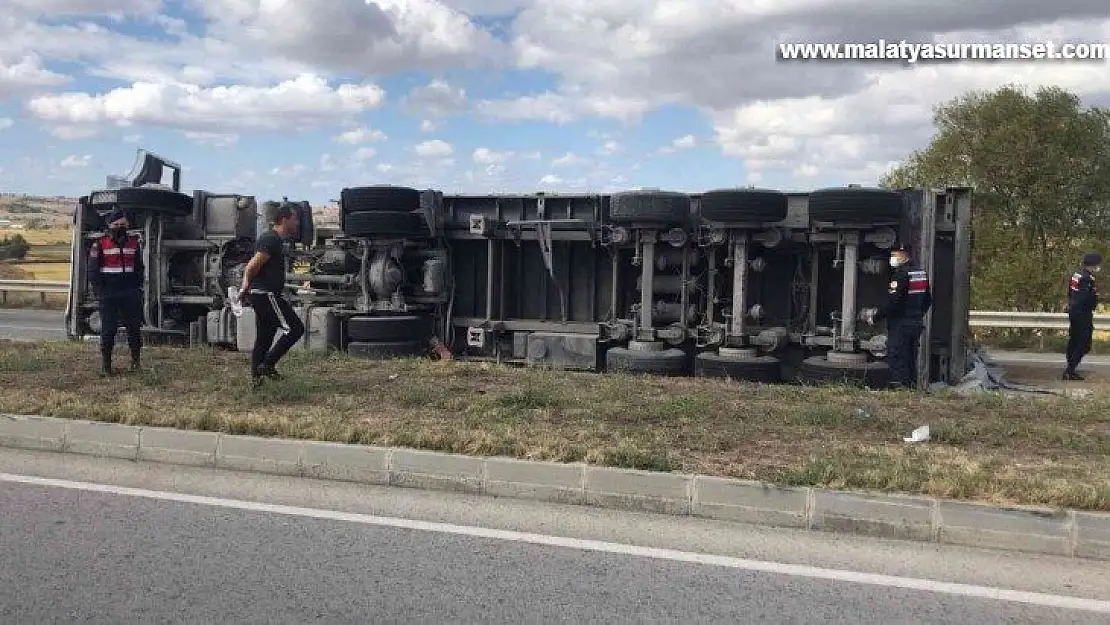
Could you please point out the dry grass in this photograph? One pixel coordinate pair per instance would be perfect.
(46, 271)
(46, 236)
(1049, 451)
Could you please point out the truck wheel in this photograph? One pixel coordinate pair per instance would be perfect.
(743, 206)
(144, 200)
(763, 369)
(384, 224)
(855, 205)
(375, 198)
(654, 207)
(390, 329)
(665, 362)
(386, 350)
(819, 370)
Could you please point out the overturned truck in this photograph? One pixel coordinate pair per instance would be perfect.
(750, 284)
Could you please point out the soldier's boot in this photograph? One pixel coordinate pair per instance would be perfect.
(135, 359)
(106, 363)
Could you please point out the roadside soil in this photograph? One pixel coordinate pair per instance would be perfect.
(1044, 450)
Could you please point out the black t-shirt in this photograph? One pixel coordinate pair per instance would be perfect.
(271, 278)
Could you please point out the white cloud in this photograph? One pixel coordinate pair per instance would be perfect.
(385, 168)
(861, 135)
(365, 154)
(352, 35)
(115, 8)
(550, 180)
(73, 160)
(276, 65)
(213, 139)
(25, 73)
(486, 156)
(568, 160)
(685, 142)
(132, 138)
(6, 123)
(289, 171)
(609, 148)
(361, 135)
(327, 163)
(304, 101)
(434, 149)
(436, 99)
(487, 8)
(73, 133)
(564, 109)
(846, 120)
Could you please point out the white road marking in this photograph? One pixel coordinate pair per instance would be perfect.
(795, 570)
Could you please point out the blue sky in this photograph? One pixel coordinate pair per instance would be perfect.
(567, 96)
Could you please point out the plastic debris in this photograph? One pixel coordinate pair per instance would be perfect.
(986, 375)
(233, 297)
(920, 435)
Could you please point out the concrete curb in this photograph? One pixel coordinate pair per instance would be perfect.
(1058, 532)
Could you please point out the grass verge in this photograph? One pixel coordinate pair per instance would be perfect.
(1047, 451)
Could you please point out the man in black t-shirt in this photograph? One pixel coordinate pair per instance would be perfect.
(263, 286)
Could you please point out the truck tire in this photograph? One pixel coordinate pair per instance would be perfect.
(855, 205)
(763, 369)
(743, 206)
(382, 197)
(384, 224)
(306, 229)
(654, 207)
(144, 200)
(385, 351)
(668, 362)
(819, 371)
(388, 329)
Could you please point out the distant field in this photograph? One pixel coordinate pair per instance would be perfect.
(49, 256)
(52, 236)
(46, 271)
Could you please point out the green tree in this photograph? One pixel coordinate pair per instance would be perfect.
(1040, 167)
(14, 248)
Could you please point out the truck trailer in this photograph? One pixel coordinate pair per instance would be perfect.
(751, 284)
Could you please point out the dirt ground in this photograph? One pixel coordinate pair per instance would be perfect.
(1048, 450)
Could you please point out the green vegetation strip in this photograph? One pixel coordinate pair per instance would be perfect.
(1044, 451)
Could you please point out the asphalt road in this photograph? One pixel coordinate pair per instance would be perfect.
(31, 325)
(81, 543)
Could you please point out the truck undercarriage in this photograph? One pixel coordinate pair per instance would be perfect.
(750, 284)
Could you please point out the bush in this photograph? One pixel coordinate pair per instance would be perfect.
(14, 248)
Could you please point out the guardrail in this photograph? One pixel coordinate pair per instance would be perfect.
(1032, 320)
(979, 318)
(42, 287)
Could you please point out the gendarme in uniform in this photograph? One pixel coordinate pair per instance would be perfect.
(115, 271)
(1082, 302)
(909, 298)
